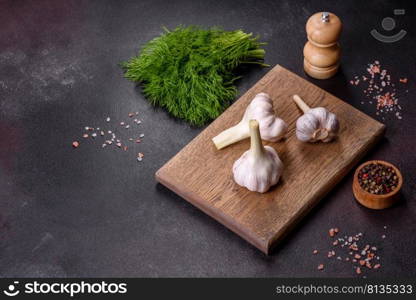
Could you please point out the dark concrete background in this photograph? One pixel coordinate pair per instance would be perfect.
(98, 212)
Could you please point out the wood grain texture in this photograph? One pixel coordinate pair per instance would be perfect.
(203, 176)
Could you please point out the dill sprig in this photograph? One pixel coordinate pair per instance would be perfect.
(190, 71)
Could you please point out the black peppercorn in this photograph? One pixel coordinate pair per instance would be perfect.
(378, 179)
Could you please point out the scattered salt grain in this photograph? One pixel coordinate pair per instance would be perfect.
(360, 255)
(118, 141)
(381, 91)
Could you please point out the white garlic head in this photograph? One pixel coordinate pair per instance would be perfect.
(272, 128)
(258, 175)
(317, 124)
(260, 167)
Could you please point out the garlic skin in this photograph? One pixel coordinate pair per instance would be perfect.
(260, 167)
(272, 128)
(317, 124)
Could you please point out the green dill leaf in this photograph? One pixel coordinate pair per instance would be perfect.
(190, 71)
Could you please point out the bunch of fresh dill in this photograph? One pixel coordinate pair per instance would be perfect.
(190, 71)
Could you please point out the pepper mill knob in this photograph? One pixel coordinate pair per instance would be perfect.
(322, 52)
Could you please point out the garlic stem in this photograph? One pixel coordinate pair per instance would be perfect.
(256, 146)
(302, 105)
(230, 136)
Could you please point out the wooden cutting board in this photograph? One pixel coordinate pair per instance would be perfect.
(203, 175)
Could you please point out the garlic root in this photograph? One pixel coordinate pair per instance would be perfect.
(260, 108)
(260, 167)
(317, 124)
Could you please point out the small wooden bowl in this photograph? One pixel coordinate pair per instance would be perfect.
(374, 201)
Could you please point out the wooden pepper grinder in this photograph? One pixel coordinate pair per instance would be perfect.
(322, 52)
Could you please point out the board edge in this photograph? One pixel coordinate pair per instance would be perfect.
(216, 214)
(283, 232)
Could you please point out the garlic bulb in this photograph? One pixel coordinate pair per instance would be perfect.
(272, 128)
(260, 167)
(317, 124)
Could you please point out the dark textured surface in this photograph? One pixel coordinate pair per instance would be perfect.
(98, 212)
